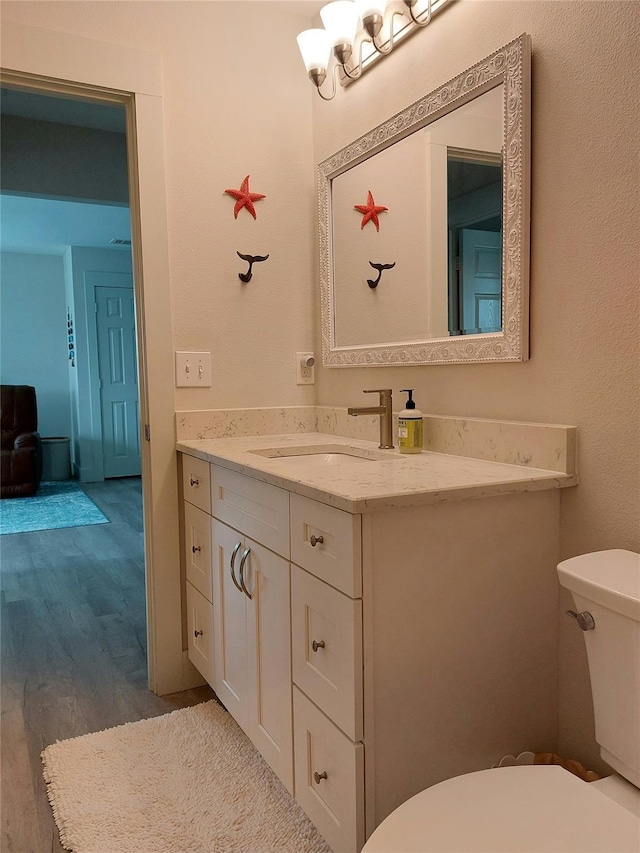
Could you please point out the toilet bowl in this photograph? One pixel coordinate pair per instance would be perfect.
(539, 809)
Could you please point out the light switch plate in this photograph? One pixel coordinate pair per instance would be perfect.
(193, 369)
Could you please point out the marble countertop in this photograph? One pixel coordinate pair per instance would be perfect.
(389, 480)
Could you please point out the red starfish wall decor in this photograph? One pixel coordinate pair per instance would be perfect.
(370, 211)
(244, 198)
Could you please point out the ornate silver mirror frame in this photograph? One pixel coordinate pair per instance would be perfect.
(510, 66)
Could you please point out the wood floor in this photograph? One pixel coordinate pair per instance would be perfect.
(73, 650)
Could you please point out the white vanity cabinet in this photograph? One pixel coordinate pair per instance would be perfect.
(370, 655)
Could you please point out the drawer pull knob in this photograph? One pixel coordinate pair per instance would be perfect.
(315, 645)
(237, 547)
(319, 776)
(315, 540)
(193, 482)
(197, 634)
(195, 548)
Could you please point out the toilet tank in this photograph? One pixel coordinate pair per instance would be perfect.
(607, 584)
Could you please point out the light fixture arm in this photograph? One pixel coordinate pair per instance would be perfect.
(317, 77)
(390, 42)
(343, 53)
(350, 74)
(418, 21)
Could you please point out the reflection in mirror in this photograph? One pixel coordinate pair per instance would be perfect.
(474, 224)
(442, 176)
(437, 184)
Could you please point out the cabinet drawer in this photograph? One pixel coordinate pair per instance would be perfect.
(332, 674)
(335, 804)
(195, 482)
(200, 632)
(337, 558)
(197, 538)
(258, 509)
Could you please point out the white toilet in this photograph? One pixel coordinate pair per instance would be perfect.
(539, 809)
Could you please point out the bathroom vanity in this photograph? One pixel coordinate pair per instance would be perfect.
(375, 623)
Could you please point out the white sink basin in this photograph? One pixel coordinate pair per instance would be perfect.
(323, 460)
(322, 455)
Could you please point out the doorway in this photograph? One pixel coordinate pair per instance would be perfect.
(44, 61)
(58, 63)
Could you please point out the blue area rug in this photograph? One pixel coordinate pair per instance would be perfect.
(61, 504)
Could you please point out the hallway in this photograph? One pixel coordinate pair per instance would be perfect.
(73, 649)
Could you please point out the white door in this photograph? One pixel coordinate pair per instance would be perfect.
(118, 369)
(481, 284)
(230, 622)
(266, 578)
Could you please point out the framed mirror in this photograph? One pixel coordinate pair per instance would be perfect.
(424, 227)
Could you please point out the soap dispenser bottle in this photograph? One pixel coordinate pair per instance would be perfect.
(410, 426)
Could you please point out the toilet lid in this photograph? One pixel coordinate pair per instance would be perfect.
(511, 810)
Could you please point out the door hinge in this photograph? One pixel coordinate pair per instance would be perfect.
(95, 307)
(147, 432)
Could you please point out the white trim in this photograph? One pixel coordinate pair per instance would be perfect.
(90, 63)
(57, 62)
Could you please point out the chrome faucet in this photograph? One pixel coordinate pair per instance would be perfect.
(384, 410)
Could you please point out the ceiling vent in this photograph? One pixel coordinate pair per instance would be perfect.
(117, 242)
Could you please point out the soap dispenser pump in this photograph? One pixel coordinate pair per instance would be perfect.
(410, 426)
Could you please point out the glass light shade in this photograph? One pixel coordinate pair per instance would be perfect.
(371, 7)
(341, 21)
(315, 47)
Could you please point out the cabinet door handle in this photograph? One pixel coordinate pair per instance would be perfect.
(243, 560)
(319, 776)
(193, 482)
(317, 645)
(315, 540)
(197, 634)
(195, 548)
(237, 547)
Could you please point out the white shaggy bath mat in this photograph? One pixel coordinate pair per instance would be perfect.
(186, 782)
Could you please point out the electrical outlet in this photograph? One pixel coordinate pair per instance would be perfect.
(193, 370)
(305, 368)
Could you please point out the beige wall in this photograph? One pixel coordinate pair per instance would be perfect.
(236, 102)
(584, 366)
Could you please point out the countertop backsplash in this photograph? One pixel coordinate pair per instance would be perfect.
(546, 446)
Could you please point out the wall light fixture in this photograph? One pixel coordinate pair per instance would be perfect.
(358, 32)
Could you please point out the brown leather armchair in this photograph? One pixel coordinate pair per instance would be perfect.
(21, 449)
